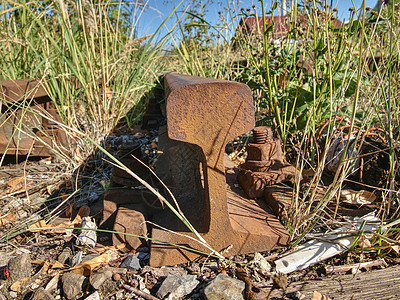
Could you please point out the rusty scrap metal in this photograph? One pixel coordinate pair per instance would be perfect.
(24, 129)
(265, 164)
(203, 115)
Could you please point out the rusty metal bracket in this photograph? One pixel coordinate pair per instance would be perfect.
(265, 164)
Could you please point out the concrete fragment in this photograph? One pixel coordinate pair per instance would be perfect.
(4, 258)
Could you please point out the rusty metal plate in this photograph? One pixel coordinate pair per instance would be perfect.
(23, 130)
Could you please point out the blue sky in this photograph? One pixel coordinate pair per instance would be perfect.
(158, 10)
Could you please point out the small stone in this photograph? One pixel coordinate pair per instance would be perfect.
(97, 279)
(87, 237)
(77, 258)
(131, 262)
(94, 296)
(260, 262)
(42, 294)
(65, 255)
(20, 267)
(116, 276)
(177, 286)
(72, 284)
(213, 265)
(13, 294)
(4, 258)
(225, 287)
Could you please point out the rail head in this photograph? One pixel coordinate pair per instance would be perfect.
(207, 112)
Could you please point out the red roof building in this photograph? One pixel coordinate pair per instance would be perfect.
(281, 25)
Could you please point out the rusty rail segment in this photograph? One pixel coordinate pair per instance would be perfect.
(23, 102)
(203, 115)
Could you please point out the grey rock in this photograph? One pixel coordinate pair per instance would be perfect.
(72, 284)
(77, 258)
(42, 294)
(20, 267)
(131, 262)
(224, 287)
(97, 279)
(94, 296)
(260, 262)
(177, 286)
(64, 255)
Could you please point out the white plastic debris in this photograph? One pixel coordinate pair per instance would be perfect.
(329, 245)
(87, 237)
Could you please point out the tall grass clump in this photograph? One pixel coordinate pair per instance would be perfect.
(89, 58)
(319, 84)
